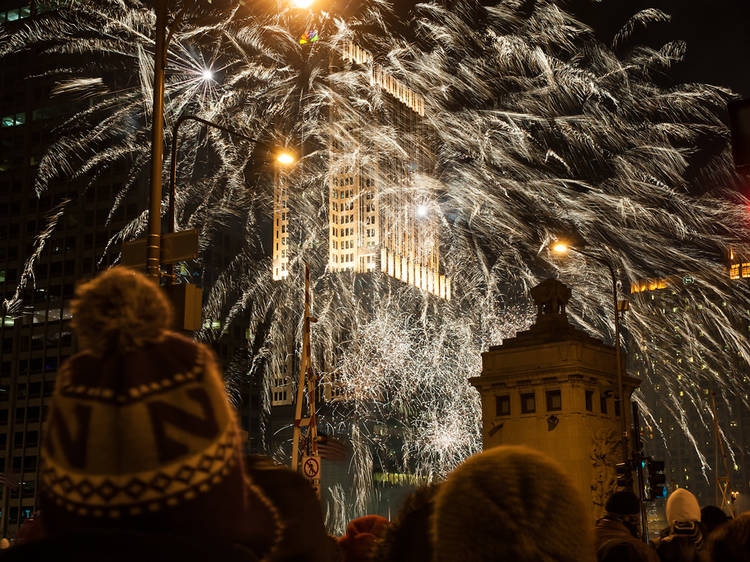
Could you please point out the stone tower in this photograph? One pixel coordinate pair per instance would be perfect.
(553, 388)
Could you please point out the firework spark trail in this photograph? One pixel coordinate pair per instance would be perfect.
(541, 132)
(12, 305)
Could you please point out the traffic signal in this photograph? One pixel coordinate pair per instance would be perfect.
(624, 472)
(656, 480)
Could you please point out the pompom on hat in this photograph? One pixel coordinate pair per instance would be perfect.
(140, 434)
(510, 503)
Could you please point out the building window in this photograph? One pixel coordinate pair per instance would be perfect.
(745, 270)
(617, 407)
(528, 403)
(589, 400)
(554, 400)
(502, 405)
(734, 271)
(603, 404)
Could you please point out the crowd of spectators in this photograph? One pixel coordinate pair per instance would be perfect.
(143, 461)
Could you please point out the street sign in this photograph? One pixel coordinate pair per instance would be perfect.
(175, 247)
(311, 471)
(311, 467)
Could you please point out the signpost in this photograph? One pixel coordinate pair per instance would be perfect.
(180, 246)
(175, 247)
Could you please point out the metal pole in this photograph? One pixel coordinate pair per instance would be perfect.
(153, 243)
(638, 458)
(618, 359)
(620, 385)
(716, 449)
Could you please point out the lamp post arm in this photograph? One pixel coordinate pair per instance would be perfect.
(173, 163)
(173, 168)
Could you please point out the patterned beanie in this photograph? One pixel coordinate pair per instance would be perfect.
(140, 435)
(510, 503)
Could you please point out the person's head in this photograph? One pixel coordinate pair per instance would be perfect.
(362, 535)
(731, 542)
(408, 537)
(619, 552)
(303, 535)
(682, 507)
(118, 311)
(625, 507)
(510, 503)
(140, 434)
(712, 517)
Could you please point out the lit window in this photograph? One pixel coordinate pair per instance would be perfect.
(745, 270)
(734, 271)
(554, 400)
(502, 405)
(528, 403)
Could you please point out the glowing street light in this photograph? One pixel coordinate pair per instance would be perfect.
(560, 248)
(422, 211)
(285, 159)
(207, 74)
(302, 3)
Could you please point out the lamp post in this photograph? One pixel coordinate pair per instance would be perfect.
(153, 242)
(561, 248)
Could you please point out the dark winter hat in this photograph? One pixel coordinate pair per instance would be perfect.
(140, 433)
(510, 503)
(623, 503)
(731, 542)
(408, 536)
(713, 517)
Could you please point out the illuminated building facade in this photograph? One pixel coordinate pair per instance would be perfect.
(379, 218)
(663, 435)
(377, 213)
(280, 226)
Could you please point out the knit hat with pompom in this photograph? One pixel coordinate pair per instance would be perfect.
(141, 436)
(510, 503)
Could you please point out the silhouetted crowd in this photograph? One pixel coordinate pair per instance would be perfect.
(143, 461)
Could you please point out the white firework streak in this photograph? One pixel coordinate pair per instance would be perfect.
(12, 305)
(541, 132)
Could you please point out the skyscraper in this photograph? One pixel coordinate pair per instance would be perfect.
(379, 217)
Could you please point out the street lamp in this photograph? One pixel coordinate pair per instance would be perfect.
(563, 248)
(302, 4)
(285, 159)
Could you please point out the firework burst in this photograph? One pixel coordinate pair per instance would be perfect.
(540, 131)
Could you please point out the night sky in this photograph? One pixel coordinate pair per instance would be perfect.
(717, 33)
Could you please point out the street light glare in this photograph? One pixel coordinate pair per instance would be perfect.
(560, 248)
(285, 158)
(207, 74)
(302, 3)
(422, 211)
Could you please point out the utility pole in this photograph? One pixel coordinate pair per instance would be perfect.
(306, 429)
(722, 482)
(638, 462)
(153, 266)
